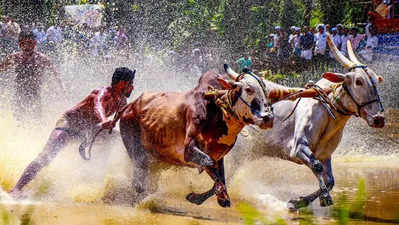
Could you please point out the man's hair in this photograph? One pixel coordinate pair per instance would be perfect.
(26, 34)
(122, 74)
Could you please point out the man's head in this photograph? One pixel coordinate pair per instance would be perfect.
(122, 80)
(26, 41)
(346, 30)
(334, 31)
(340, 29)
(354, 31)
(327, 27)
(320, 28)
(277, 29)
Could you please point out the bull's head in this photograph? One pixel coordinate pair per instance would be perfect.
(358, 93)
(250, 104)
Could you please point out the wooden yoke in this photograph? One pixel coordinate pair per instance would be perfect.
(279, 94)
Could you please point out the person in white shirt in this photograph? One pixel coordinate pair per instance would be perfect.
(98, 42)
(296, 42)
(344, 39)
(320, 50)
(53, 37)
(372, 42)
(320, 40)
(336, 39)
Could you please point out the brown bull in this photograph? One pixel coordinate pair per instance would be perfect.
(197, 129)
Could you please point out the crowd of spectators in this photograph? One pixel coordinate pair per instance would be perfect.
(299, 48)
(81, 38)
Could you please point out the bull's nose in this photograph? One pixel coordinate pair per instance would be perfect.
(268, 118)
(267, 121)
(379, 121)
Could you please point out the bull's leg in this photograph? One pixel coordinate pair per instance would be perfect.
(219, 188)
(306, 200)
(57, 140)
(308, 159)
(192, 153)
(131, 136)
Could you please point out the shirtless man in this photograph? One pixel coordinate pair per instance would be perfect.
(30, 66)
(87, 116)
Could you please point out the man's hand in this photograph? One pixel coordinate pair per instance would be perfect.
(108, 125)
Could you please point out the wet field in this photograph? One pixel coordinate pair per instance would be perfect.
(72, 191)
(264, 190)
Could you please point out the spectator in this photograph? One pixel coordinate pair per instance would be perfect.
(306, 42)
(296, 43)
(3, 24)
(340, 29)
(356, 38)
(371, 44)
(245, 62)
(98, 42)
(320, 41)
(320, 46)
(12, 29)
(336, 39)
(276, 44)
(54, 37)
(40, 35)
(121, 39)
(344, 39)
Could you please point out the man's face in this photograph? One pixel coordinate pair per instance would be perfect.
(321, 30)
(126, 87)
(27, 45)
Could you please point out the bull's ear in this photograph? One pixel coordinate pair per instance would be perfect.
(334, 77)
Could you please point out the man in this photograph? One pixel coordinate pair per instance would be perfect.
(99, 42)
(344, 39)
(82, 120)
(30, 66)
(372, 42)
(54, 37)
(356, 38)
(336, 39)
(245, 62)
(306, 42)
(320, 46)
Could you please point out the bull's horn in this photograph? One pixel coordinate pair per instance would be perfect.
(351, 54)
(338, 55)
(233, 75)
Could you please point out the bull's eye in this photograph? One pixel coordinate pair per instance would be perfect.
(249, 90)
(359, 82)
(255, 106)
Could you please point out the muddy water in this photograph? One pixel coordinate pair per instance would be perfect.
(265, 184)
(70, 191)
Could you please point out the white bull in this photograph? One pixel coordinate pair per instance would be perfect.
(311, 134)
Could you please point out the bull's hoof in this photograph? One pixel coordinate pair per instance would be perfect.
(195, 199)
(225, 203)
(296, 204)
(325, 200)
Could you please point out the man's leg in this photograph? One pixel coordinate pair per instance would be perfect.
(57, 140)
